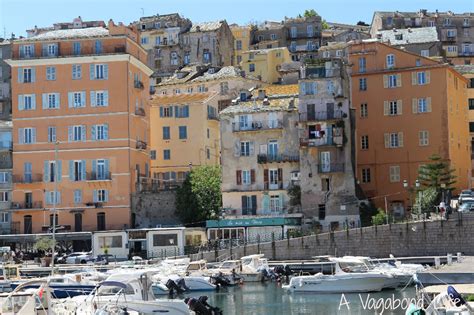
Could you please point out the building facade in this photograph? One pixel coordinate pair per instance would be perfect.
(265, 63)
(326, 166)
(408, 108)
(80, 127)
(455, 30)
(304, 37)
(242, 39)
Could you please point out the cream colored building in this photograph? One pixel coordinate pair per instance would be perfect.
(264, 63)
(260, 152)
(242, 41)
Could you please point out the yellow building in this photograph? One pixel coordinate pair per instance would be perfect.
(184, 133)
(264, 63)
(242, 38)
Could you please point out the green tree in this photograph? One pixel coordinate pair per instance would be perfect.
(199, 198)
(310, 13)
(294, 191)
(362, 23)
(426, 200)
(380, 218)
(324, 25)
(44, 243)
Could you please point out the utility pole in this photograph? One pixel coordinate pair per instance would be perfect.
(386, 209)
(54, 203)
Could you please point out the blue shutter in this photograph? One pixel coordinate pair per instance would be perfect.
(59, 169)
(58, 198)
(106, 98)
(71, 170)
(93, 100)
(161, 111)
(92, 71)
(74, 72)
(46, 171)
(107, 170)
(33, 101)
(83, 133)
(83, 175)
(93, 132)
(303, 88)
(83, 99)
(70, 99)
(21, 106)
(94, 167)
(176, 111)
(22, 51)
(171, 111)
(69, 134)
(106, 195)
(106, 131)
(33, 75)
(20, 75)
(106, 72)
(33, 135)
(95, 195)
(47, 198)
(186, 111)
(21, 135)
(57, 99)
(45, 101)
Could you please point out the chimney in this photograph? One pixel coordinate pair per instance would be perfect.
(261, 94)
(266, 101)
(292, 103)
(302, 72)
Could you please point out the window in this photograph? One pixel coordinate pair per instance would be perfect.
(3, 196)
(100, 168)
(423, 138)
(451, 33)
(77, 170)
(251, 67)
(101, 195)
(394, 173)
(182, 111)
(452, 49)
(53, 197)
(27, 135)
(425, 53)
(183, 132)
(249, 205)
(51, 134)
(50, 73)
(100, 132)
(364, 142)
(309, 88)
(166, 154)
(431, 23)
(390, 61)
(27, 102)
(99, 71)
(393, 140)
(77, 196)
(310, 30)
(206, 56)
(51, 101)
(165, 240)
(187, 58)
(362, 64)
(238, 44)
(294, 32)
(144, 40)
(392, 81)
(364, 112)
(98, 47)
(208, 153)
(166, 133)
(363, 84)
(76, 72)
(101, 227)
(76, 48)
(166, 111)
(273, 36)
(27, 51)
(27, 175)
(174, 58)
(471, 104)
(244, 148)
(366, 175)
(77, 99)
(3, 177)
(28, 75)
(4, 217)
(224, 87)
(422, 105)
(321, 211)
(246, 180)
(153, 154)
(77, 133)
(394, 108)
(99, 98)
(465, 22)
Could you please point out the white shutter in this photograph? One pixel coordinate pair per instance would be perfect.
(57, 99)
(33, 101)
(83, 99)
(428, 104)
(400, 139)
(93, 99)
(414, 105)
(70, 99)
(45, 100)
(427, 77)
(385, 81)
(387, 140)
(21, 105)
(386, 108)
(413, 78)
(400, 107)
(399, 80)
(21, 135)
(83, 133)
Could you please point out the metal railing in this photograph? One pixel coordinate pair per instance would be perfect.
(322, 141)
(331, 168)
(27, 205)
(138, 85)
(277, 158)
(257, 125)
(141, 145)
(139, 111)
(99, 176)
(322, 116)
(27, 179)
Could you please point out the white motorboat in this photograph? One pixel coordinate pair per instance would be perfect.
(129, 291)
(163, 284)
(343, 281)
(23, 301)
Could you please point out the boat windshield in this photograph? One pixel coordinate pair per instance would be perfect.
(112, 290)
(229, 265)
(196, 267)
(353, 267)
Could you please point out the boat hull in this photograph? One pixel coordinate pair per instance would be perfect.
(63, 291)
(331, 284)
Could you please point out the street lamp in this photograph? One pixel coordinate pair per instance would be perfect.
(405, 186)
(417, 184)
(55, 200)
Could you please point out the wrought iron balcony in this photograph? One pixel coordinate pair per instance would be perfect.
(27, 205)
(257, 125)
(322, 116)
(141, 145)
(27, 178)
(331, 168)
(138, 85)
(277, 158)
(96, 176)
(139, 111)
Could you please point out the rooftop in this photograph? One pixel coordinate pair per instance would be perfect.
(223, 73)
(420, 13)
(282, 90)
(464, 69)
(70, 33)
(265, 50)
(179, 99)
(410, 35)
(206, 26)
(334, 45)
(275, 104)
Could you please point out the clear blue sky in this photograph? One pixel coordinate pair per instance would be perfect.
(18, 15)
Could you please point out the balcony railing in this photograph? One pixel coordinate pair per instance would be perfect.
(322, 116)
(257, 125)
(27, 179)
(466, 53)
(141, 145)
(155, 185)
(277, 158)
(138, 85)
(336, 139)
(212, 116)
(95, 176)
(139, 111)
(27, 205)
(331, 168)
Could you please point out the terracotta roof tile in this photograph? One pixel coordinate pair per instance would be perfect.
(179, 99)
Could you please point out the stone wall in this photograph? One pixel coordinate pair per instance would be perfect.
(402, 240)
(153, 209)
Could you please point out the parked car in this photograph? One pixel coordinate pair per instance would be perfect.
(103, 259)
(79, 258)
(467, 193)
(466, 206)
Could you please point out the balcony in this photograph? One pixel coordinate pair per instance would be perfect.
(277, 158)
(139, 111)
(257, 125)
(94, 204)
(27, 205)
(141, 145)
(315, 72)
(466, 53)
(138, 85)
(321, 138)
(59, 228)
(95, 176)
(6, 146)
(322, 116)
(27, 179)
(331, 168)
(212, 116)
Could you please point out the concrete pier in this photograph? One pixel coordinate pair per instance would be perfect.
(457, 273)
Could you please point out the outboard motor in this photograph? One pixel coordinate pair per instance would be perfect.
(220, 280)
(173, 287)
(182, 284)
(201, 307)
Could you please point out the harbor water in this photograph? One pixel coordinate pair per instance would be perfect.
(270, 298)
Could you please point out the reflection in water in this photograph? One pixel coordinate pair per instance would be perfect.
(270, 298)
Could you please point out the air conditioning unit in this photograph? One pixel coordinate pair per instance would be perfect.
(295, 176)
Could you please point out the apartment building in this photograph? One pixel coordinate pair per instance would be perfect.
(270, 34)
(81, 127)
(304, 36)
(337, 32)
(242, 39)
(455, 30)
(408, 107)
(260, 152)
(265, 63)
(326, 167)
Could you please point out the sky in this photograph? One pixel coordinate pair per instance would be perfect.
(18, 15)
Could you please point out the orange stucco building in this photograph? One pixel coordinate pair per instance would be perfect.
(81, 127)
(408, 107)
